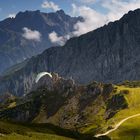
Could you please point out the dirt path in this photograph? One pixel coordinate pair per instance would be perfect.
(117, 126)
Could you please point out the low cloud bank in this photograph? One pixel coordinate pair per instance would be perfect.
(31, 34)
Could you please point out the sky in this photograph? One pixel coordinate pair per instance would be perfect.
(9, 7)
(96, 13)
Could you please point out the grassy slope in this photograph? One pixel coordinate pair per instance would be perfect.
(131, 127)
(129, 130)
(34, 136)
(98, 121)
(125, 131)
(22, 131)
(13, 131)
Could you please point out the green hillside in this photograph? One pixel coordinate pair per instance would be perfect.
(130, 129)
(23, 131)
(78, 112)
(13, 131)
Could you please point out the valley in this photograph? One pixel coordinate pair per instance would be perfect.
(70, 70)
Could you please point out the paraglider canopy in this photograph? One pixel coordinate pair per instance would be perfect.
(41, 74)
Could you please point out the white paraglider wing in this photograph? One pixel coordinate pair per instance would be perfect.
(40, 75)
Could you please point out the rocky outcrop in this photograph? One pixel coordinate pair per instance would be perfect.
(55, 83)
(116, 103)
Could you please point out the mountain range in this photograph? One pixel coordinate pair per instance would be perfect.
(90, 85)
(107, 54)
(27, 34)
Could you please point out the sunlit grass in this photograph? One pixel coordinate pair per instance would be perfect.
(15, 131)
(33, 136)
(131, 128)
(133, 99)
(13, 104)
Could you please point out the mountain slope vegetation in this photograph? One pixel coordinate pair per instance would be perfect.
(91, 109)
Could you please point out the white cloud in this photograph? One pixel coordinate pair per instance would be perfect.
(117, 8)
(59, 40)
(12, 15)
(50, 5)
(89, 1)
(93, 19)
(31, 34)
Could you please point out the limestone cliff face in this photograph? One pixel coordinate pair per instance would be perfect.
(110, 53)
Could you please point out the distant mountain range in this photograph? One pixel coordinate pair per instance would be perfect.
(108, 54)
(27, 34)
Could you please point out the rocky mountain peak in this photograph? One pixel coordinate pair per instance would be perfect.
(12, 39)
(55, 83)
(130, 14)
(61, 12)
(27, 12)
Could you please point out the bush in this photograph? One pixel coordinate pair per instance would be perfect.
(124, 91)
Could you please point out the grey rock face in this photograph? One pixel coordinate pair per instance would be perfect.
(14, 48)
(55, 83)
(108, 54)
